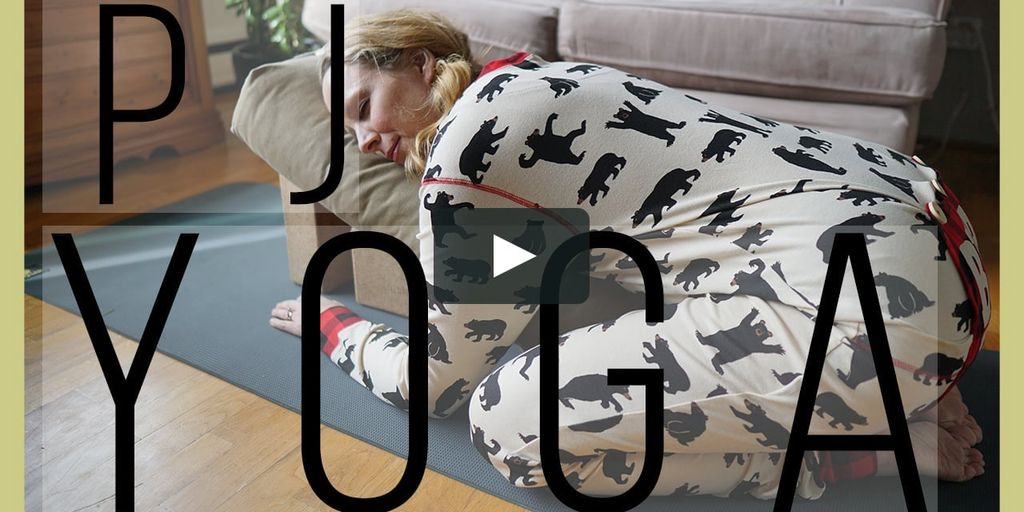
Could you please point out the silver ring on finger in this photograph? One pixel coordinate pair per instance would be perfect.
(289, 314)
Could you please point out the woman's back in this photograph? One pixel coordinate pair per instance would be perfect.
(728, 202)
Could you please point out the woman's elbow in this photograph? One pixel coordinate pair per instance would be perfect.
(326, 86)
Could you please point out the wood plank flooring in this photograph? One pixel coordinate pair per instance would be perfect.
(203, 444)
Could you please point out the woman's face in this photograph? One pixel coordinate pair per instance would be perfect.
(387, 109)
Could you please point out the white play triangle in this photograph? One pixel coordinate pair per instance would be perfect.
(508, 256)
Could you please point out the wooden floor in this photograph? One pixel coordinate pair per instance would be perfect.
(203, 444)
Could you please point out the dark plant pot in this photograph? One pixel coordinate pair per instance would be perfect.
(247, 57)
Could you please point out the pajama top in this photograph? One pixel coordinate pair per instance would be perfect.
(738, 210)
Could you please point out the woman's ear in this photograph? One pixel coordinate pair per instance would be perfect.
(425, 64)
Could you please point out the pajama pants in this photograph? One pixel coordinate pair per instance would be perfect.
(740, 221)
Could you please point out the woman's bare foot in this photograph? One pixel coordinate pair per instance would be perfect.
(944, 443)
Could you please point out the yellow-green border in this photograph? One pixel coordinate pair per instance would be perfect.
(12, 279)
(1010, 244)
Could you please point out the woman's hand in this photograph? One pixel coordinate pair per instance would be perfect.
(287, 314)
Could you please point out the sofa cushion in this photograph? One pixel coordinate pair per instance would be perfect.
(805, 49)
(281, 116)
(495, 28)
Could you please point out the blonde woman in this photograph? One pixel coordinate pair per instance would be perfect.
(740, 212)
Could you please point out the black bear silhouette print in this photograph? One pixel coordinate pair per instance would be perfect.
(551, 147)
(478, 271)
(632, 118)
(930, 226)
(528, 66)
(785, 378)
(532, 238)
(598, 425)
(868, 155)
(450, 396)
(586, 69)
(805, 129)
(938, 366)
(437, 349)
(738, 342)
(901, 183)
(805, 160)
(519, 468)
(717, 118)
(723, 208)
(614, 465)
(644, 94)
(743, 488)
(862, 364)
(676, 379)
(442, 218)
(493, 330)
(592, 388)
(734, 458)
(658, 233)
(799, 187)
(483, 143)
(863, 223)
(767, 122)
(433, 172)
(395, 397)
(965, 314)
(775, 435)
(490, 391)
(530, 297)
(696, 269)
(482, 446)
(495, 87)
(684, 427)
(608, 166)
(561, 86)
(901, 158)
(660, 199)
(750, 284)
(437, 297)
(823, 146)
(753, 236)
(496, 353)
(438, 136)
(833, 405)
(663, 266)
(718, 391)
(686, 490)
(860, 197)
(528, 357)
(904, 298)
(721, 145)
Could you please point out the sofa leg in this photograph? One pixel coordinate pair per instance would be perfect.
(307, 227)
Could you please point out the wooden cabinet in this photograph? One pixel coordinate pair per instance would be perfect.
(62, 87)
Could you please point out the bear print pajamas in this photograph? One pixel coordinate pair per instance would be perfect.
(739, 213)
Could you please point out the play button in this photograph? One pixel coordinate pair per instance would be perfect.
(507, 255)
(498, 255)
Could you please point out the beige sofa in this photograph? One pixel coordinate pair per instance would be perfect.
(859, 67)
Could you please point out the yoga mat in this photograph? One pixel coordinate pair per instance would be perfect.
(239, 269)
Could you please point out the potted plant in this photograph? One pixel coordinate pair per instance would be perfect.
(275, 33)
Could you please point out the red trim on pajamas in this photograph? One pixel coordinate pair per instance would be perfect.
(333, 320)
(513, 59)
(955, 233)
(852, 465)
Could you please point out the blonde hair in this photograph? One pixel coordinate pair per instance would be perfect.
(381, 40)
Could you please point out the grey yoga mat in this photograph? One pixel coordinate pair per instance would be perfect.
(218, 324)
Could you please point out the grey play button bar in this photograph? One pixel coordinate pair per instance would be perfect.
(498, 255)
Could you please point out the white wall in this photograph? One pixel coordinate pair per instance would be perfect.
(223, 28)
